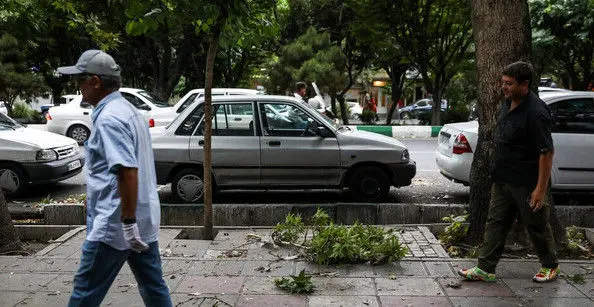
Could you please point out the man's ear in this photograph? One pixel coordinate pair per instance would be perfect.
(96, 82)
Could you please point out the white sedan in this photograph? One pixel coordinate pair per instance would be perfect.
(164, 118)
(573, 138)
(74, 118)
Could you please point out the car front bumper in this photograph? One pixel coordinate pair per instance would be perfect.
(53, 171)
(403, 173)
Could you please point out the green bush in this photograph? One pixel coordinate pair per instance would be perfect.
(456, 231)
(21, 110)
(368, 117)
(339, 244)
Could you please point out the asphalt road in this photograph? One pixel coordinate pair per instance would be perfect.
(428, 186)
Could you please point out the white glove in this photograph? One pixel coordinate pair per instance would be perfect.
(132, 236)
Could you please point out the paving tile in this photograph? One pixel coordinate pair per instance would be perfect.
(528, 288)
(462, 264)
(204, 300)
(188, 248)
(214, 285)
(312, 268)
(37, 265)
(268, 268)
(6, 261)
(176, 266)
(488, 301)
(167, 235)
(261, 286)
(433, 301)
(586, 288)
(273, 300)
(203, 267)
(24, 282)
(517, 269)
(65, 250)
(585, 269)
(10, 298)
(440, 269)
(475, 288)
(344, 286)
(408, 286)
(129, 299)
(350, 270)
(560, 302)
(338, 301)
(47, 299)
(401, 268)
(268, 254)
(62, 283)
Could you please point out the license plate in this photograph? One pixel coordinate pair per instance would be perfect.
(74, 165)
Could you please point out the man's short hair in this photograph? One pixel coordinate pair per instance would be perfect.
(299, 86)
(111, 83)
(521, 71)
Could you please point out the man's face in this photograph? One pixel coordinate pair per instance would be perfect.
(301, 92)
(512, 89)
(89, 87)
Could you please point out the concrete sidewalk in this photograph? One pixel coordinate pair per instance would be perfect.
(234, 270)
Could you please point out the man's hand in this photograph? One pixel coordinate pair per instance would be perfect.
(132, 236)
(537, 199)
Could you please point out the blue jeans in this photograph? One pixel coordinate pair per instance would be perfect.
(101, 263)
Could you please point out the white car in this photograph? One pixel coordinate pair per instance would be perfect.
(3, 109)
(573, 138)
(355, 109)
(164, 118)
(30, 156)
(74, 118)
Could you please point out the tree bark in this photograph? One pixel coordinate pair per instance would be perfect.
(397, 74)
(210, 58)
(9, 239)
(502, 35)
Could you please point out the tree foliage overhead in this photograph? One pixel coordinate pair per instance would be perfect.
(564, 40)
(16, 76)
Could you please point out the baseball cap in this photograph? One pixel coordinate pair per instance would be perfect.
(94, 62)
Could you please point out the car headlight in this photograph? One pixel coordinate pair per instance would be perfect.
(47, 155)
(405, 156)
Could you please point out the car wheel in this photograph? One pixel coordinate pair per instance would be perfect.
(405, 115)
(188, 186)
(79, 133)
(12, 179)
(369, 184)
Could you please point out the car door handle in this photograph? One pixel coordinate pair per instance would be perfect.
(85, 113)
(274, 143)
(201, 142)
(237, 119)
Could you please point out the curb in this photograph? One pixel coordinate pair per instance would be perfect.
(402, 132)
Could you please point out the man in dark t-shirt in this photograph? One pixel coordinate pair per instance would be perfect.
(521, 174)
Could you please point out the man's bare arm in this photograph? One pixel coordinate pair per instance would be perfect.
(128, 188)
(545, 164)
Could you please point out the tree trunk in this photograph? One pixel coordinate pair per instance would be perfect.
(343, 112)
(210, 58)
(397, 74)
(501, 31)
(9, 239)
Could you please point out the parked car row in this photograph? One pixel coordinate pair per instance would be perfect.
(573, 138)
(30, 156)
(73, 119)
(276, 142)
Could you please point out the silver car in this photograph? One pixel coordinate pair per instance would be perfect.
(276, 142)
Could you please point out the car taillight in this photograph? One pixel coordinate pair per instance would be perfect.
(461, 145)
(151, 123)
(48, 116)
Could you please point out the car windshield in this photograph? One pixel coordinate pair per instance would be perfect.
(158, 103)
(7, 123)
(326, 118)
